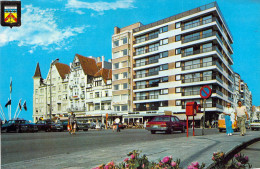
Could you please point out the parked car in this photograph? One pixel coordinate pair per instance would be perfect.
(166, 123)
(255, 125)
(121, 126)
(247, 124)
(18, 126)
(222, 124)
(47, 125)
(82, 126)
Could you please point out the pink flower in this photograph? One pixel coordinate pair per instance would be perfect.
(127, 165)
(165, 159)
(112, 163)
(190, 167)
(246, 158)
(173, 164)
(126, 159)
(143, 166)
(239, 164)
(132, 156)
(106, 167)
(195, 164)
(213, 158)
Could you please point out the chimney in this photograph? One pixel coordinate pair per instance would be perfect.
(98, 59)
(116, 30)
(103, 58)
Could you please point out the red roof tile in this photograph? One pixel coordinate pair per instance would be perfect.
(99, 65)
(106, 74)
(88, 65)
(37, 71)
(62, 69)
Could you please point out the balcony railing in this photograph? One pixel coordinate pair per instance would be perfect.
(76, 109)
(231, 78)
(206, 35)
(198, 79)
(190, 93)
(146, 63)
(146, 86)
(201, 65)
(218, 79)
(146, 109)
(205, 50)
(146, 97)
(146, 50)
(193, 25)
(146, 38)
(230, 88)
(146, 75)
(217, 91)
(230, 99)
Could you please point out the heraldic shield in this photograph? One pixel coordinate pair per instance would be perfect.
(11, 13)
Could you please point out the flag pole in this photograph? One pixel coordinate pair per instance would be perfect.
(10, 99)
(17, 108)
(18, 113)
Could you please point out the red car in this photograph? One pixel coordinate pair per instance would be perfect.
(165, 123)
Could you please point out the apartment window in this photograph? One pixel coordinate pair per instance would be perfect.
(191, 24)
(207, 33)
(207, 47)
(116, 54)
(116, 43)
(153, 35)
(164, 91)
(91, 95)
(96, 94)
(36, 91)
(106, 93)
(116, 108)
(116, 65)
(153, 47)
(124, 97)
(153, 59)
(165, 79)
(140, 39)
(164, 29)
(178, 102)
(124, 108)
(178, 90)
(178, 25)
(164, 103)
(164, 54)
(177, 38)
(140, 51)
(164, 41)
(154, 82)
(125, 86)
(116, 76)
(124, 40)
(97, 106)
(177, 51)
(178, 77)
(207, 19)
(178, 64)
(98, 83)
(116, 87)
(164, 67)
(124, 64)
(125, 75)
(124, 52)
(153, 71)
(188, 51)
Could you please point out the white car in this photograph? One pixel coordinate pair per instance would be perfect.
(255, 125)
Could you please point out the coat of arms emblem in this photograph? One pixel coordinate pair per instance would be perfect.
(11, 13)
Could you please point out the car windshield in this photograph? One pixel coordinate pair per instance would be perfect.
(256, 121)
(161, 119)
(11, 122)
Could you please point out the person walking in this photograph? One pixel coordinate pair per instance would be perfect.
(228, 111)
(241, 116)
(117, 121)
(72, 123)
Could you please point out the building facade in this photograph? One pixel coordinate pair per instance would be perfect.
(59, 92)
(174, 57)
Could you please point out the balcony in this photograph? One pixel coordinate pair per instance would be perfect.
(146, 38)
(146, 86)
(198, 79)
(146, 75)
(82, 84)
(218, 79)
(206, 35)
(146, 108)
(205, 50)
(82, 96)
(146, 63)
(146, 51)
(193, 25)
(146, 97)
(218, 92)
(230, 78)
(190, 93)
(201, 65)
(230, 88)
(230, 99)
(76, 109)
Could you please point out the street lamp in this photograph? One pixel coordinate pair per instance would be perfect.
(52, 63)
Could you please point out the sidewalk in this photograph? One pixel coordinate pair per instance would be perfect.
(197, 148)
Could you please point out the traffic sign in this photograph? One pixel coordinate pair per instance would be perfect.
(205, 92)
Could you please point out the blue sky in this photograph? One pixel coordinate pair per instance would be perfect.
(62, 28)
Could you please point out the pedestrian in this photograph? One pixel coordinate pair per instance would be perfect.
(228, 111)
(72, 123)
(117, 121)
(241, 116)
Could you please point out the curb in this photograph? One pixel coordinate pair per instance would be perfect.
(230, 154)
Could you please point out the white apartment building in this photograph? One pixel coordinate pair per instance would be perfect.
(90, 83)
(59, 92)
(174, 57)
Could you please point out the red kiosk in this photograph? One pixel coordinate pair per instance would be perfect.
(192, 108)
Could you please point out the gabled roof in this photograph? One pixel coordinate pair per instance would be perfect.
(63, 69)
(88, 65)
(99, 65)
(106, 74)
(37, 71)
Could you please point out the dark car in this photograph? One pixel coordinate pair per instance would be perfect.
(166, 123)
(47, 125)
(80, 126)
(19, 126)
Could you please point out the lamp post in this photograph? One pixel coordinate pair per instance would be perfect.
(52, 63)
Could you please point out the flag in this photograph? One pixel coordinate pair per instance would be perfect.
(11, 86)
(20, 105)
(24, 106)
(8, 103)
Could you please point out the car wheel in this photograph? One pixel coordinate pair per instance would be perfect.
(17, 130)
(220, 130)
(152, 131)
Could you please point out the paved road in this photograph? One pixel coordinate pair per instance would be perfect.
(27, 146)
(253, 152)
